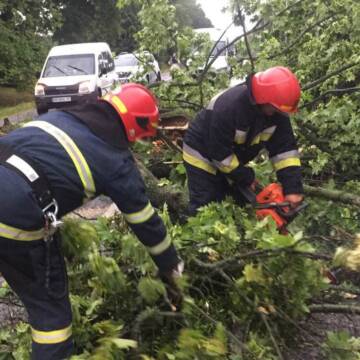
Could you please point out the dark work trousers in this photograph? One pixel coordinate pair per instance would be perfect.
(23, 265)
(205, 187)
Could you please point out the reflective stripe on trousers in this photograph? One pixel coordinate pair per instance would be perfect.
(140, 216)
(51, 337)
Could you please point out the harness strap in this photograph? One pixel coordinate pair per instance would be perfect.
(29, 171)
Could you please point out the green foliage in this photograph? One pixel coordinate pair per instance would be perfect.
(78, 237)
(192, 344)
(15, 342)
(99, 21)
(112, 284)
(189, 13)
(341, 346)
(259, 348)
(151, 290)
(24, 39)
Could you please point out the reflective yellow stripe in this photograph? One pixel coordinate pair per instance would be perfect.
(265, 135)
(286, 163)
(194, 161)
(229, 164)
(51, 337)
(119, 104)
(13, 233)
(73, 151)
(256, 140)
(159, 248)
(140, 216)
(240, 137)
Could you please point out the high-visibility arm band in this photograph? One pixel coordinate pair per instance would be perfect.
(240, 137)
(159, 248)
(73, 151)
(51, 337)
(13, 233)
(265, 135)
(228, 164)
(286, 159)
(194, 158)
(140, 216)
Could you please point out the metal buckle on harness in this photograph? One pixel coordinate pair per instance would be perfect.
(50, 212)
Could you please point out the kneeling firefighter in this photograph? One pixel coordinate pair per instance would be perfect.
(47, 169)
(232, 130)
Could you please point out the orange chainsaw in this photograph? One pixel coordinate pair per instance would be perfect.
(270, 201)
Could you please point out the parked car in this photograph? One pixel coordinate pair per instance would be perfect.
(73, 74)
(221, 52)
(137, 66)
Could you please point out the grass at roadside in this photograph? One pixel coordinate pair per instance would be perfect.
(11, 110)
(13, 101)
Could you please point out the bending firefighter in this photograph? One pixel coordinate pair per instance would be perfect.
(231, 131)
(48, 168)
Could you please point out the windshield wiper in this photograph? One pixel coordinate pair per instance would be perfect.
(58, 69)
(78, 69)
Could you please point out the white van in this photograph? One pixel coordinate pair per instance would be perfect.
(221, 61)
(74, 73)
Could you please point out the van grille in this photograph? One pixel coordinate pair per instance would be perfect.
(62, 90)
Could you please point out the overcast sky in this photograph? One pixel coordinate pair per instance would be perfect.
(220, 20)
(212, 9)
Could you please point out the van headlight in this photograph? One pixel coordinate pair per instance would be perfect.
(85, 87)
(39, 90)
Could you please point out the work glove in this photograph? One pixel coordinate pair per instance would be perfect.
(294, 199)
(174, 296)
(242, 176)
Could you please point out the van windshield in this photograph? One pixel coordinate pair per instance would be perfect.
(126, 60)
(70, 65)
(218, 49)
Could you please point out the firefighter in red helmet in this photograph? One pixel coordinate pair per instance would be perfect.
(232, 130)
(47, 169)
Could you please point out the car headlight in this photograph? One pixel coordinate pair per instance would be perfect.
(84, 87)
(39, 90)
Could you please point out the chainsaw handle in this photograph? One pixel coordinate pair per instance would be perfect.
(279, 207)
(292, 213)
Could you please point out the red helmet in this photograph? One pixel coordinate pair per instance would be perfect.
(137, 108)
(277, 86)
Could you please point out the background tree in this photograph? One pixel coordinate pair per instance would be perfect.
(25, 30)
(94, 20)
(189, 13)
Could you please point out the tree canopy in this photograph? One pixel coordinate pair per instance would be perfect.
(25, 29)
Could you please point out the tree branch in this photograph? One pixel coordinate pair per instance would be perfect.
(242, 21)
(271, 335)
(325, 77)
(335, 308)
(336, 92)
(309, 28)
(335, 195)
(260, 253)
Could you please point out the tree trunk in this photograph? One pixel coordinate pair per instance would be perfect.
(335, 195)
(176, 200)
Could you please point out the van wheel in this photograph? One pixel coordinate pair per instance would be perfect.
(99, 93)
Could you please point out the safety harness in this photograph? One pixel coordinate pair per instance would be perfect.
(29, 170)
(34, 176)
